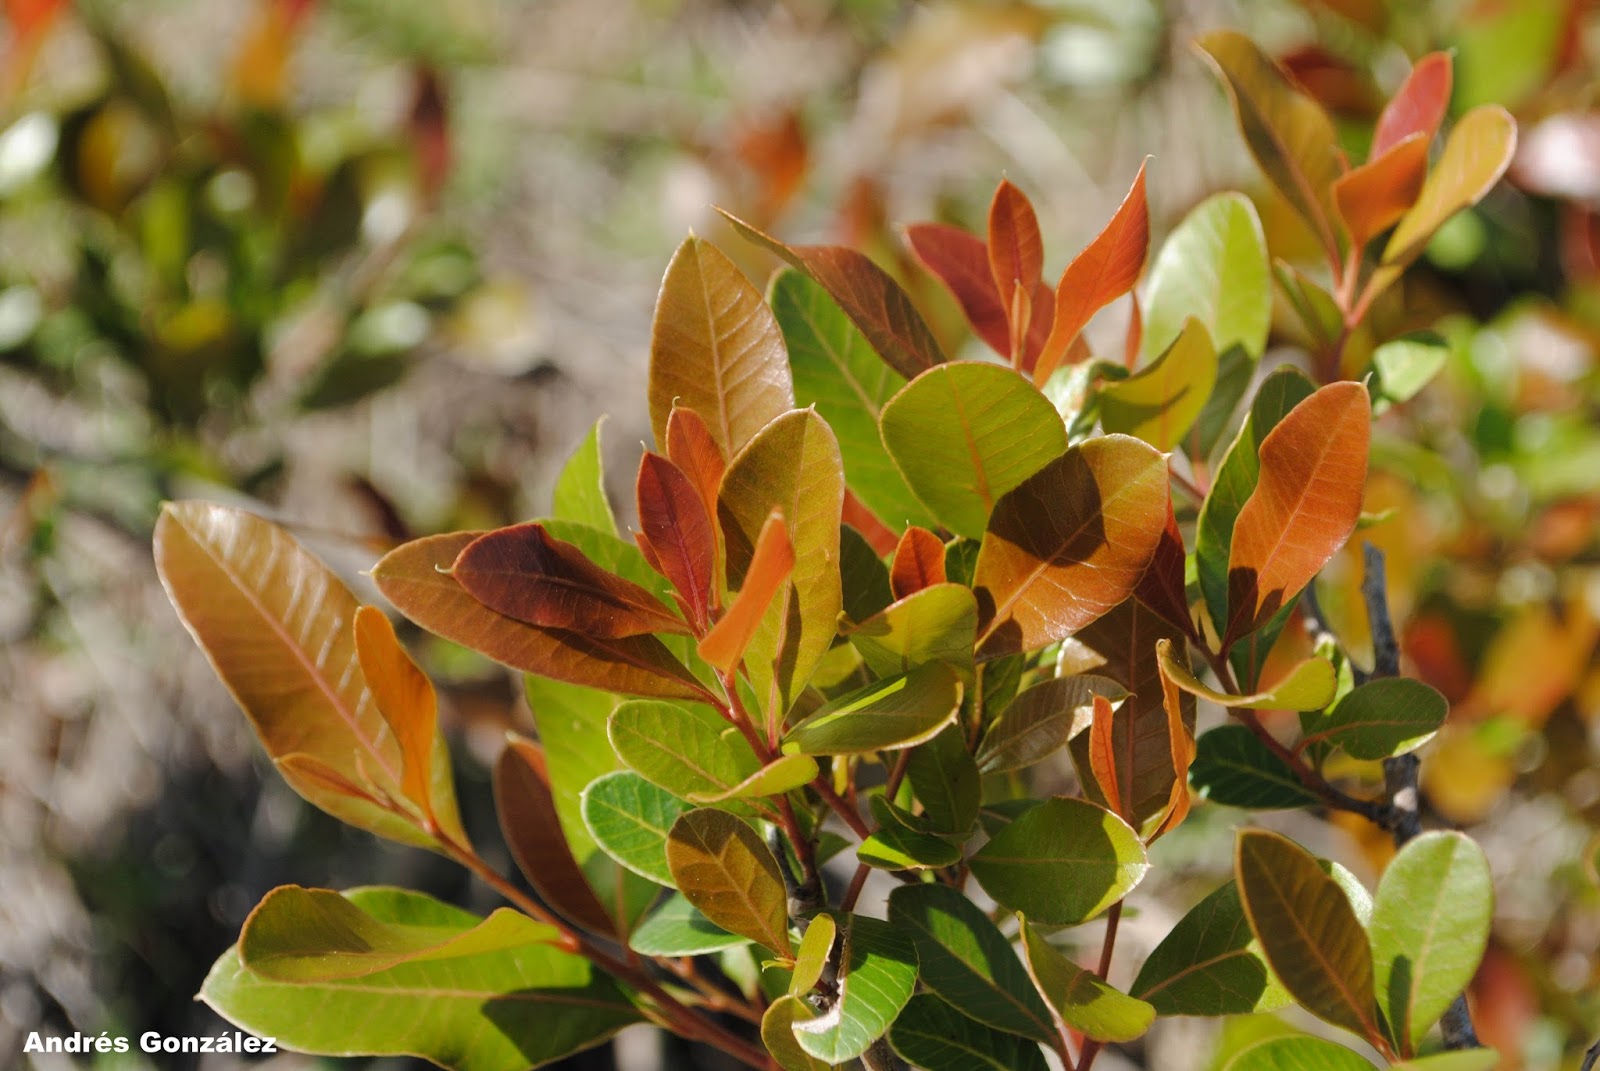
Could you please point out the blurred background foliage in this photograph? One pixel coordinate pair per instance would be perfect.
(373, 267)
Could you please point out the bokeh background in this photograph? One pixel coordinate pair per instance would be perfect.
(373, 267)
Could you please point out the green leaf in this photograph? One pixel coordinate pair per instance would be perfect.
(1308, 931)
(1476, 154)
(936, 624)
(1040, 721)
(1460, 1060)
(864, 576)
(836, 370)
(629, 818)
(1406, 365)
(1382, 718)
(931, 1034)
(946, 782)
(812, 956)
(1160, 403)
(685, 750)
(1232, 767)
(777, 1034)
(1063, 862)
(1235, 370)
(965, 433)
(1310, 685)
(967, 960)
(677, 928)
(877, 973)
(895, 846)
(580, 492)
(1212, 266)
(1208, 964)
(1082, 999)
(723, 868)
(1430, 925)
(503, 1010)
(899, 712)
(1297, 1053)
(783, 774)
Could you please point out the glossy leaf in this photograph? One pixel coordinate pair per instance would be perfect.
(1372, 198)
(777, 1034)
(1430, 925)
(691, 446)
(963, 434)
(877, 974)
(836, 370)
(1306, 502)
(681, 749)
(1418, 107)
(1040, 721)
(1016, 249)
(918, 562)
(1307, 929)
(1309, 685)
(1069, 543)
(1383, 718)
(580, 491)
(1208, 964)
(1476, 154)
(1213, 266)
(1163, 589)
(502, 1011)
(1103, 760)
(783, 774)
(895, 847)
(946, 782)
(629, 818)
(931, 1034)
(867, 294)
(936, 624)
(886, 715)
(677, 528)
(677, 928)
(1297, 1053)
(811, 958)
(771, 564)
(1083, 1000)
(715, 348)
(967, 961)
(1160, 403)
(1063, 862)
(1232, 767)
(1105, 270)
(961, 262)
(721, 866)
(415, 578)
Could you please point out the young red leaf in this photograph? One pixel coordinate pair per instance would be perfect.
(678, 537)
(691, 446)
(1105, 270)
(1180, 742)
(1305, 504)
(770, 565)
(527, 574)
(1016, 260)
(1103, 757)
(1372, 198)
(918, 562)
(1418, 107)
(960, 261)
(1162, 588)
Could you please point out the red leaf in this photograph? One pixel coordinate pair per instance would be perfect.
(691, 447)
(960, 261)
(429, 127)
(918, 562)
(1103, 272)
(879, 536)
(1372, 198)
(1418, 107)
(771, 563)
(1162, 589)
(1016, 258)
(678, 537)
(1103, 758)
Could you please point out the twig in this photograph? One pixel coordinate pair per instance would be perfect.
(1091, 1047)
(1590, 1057)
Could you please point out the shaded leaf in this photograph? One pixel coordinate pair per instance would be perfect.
(676, 928)
(1213, 266)
(899, 712)
(877, 973)
(894, 846)
(918, 562)
(1062, 862)
(629, 818)
(1382, 718)
(1208, 964)
(1232, 767)
(580, 491)
(771, 564)
(777, 1034)
(1309, 685)
(1164, 587)
(936, 624)
(1082, 999)
(1160, 403)
(946, 783)
(678, 531)
(723, 869)
(812, 956)
(960, 261)
(682, 749)
(863, 576)
(931, 1034)
(1406, 365)
(1040, 721)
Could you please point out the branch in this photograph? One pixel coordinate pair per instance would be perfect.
(1590, 1057)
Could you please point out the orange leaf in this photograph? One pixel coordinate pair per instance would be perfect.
(1105, 270)
(1418, 107)
(526, 573)
(1180, 740)
(1372, 198)
(770, 565)
(1162, 588)
(879, 536)
(1305, 504)
(1102, 757)
(960, 261)
(1016, 257)
(691, 447)
(682, 546)
(918, 562)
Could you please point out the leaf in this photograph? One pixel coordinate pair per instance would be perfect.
(1419, 106)
(1476, 154)
(504, 1011)
(777, 1034)
(1309, 685)
(836, 371)
(1382, 718)
(965, 433)
(1105, 270)
(863, 576)
(1063, 862)
(1297, 1053)
(527, 574)
(1372, 198)
(1406, 365)
(532, 829)
(812, 956)
(1040, 721)
(792, 466)
(1159, 404)
(1163, 590)
(967, 961)
(899, 712)
(723, 869)
(1208, 964)
(1213, 266)
(1069, 543)
(691, 446)
(1307, 929)
(771, 564)
(682, 749)
(1232, 767)
(1305, 504)
(629, 818)
(877, 973)
(1103, 760)
(580, 492)
(931, 1034)
(405, 698)
(867, 294)
(412, 578)
(678, 530)
(1287, 132)
(1016, 249)
(1430, 926)
(715, 348)
(946, 782)
(1082, 999)
(918, 562)
(960, 261)
(936, 624)
(275, 625)
(678, 929)
(783, 774)
(1460, 1060)
(896, 847)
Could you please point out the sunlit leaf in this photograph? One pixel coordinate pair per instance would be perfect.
(1382, 718)
(877, 974)
(1213, 266)
(1297, 1053)
(899, 712)
(676, 928)
(580, 491)
(1309, 685)
(771, 564)
(629, 818)
(1040, 721)
(1372, 198)
(684, 750)
(894, 846)
(783, 774)
(918, 562)
(1231, 766)
(932, 1035)
(691, 446)
(1082, 999)
(1418, 107)
(1208, 964)
(812, 956)
(721, 866)
(1062, 862)
(777, 1034)
(1160, 403)
(936, 624)
(1406, 365)
(1460, 1060)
